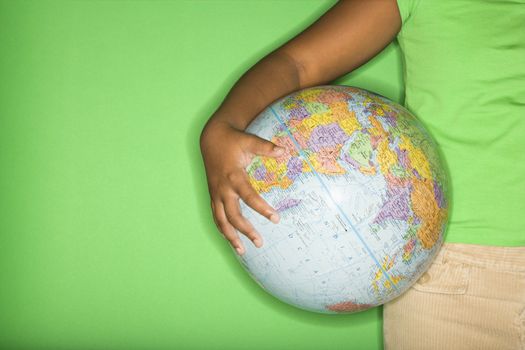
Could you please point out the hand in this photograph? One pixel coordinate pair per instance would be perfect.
(227, 151)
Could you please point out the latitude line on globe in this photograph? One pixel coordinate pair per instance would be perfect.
(301, 153)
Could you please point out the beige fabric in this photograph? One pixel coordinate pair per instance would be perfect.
(472, 297)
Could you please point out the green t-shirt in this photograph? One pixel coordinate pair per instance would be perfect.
(464, 71)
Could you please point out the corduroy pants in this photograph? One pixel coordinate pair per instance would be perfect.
(471, 297)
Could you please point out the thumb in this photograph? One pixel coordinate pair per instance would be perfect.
(262, 147)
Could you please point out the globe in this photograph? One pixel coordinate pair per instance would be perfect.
(362, 193)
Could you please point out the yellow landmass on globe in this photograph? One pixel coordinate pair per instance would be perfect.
(387, 264)
(417, 158)
(309, 95)
(385, 156)
(427, 210)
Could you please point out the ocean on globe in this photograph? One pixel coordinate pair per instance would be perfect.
(362, 195)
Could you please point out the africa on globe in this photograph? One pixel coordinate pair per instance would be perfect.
(362, 193)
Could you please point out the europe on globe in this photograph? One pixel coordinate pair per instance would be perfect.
(362, 192)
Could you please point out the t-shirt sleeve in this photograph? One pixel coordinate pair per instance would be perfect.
(406, 9)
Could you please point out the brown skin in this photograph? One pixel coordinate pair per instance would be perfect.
(348, 35)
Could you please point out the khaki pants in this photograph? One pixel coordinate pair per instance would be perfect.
(472, 297)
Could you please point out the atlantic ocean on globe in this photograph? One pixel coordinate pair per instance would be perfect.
(362, 194)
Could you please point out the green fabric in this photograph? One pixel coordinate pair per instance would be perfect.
(464, 72)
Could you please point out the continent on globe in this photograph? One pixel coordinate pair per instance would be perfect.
(362, 194)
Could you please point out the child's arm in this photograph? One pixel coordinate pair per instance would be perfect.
(344, 38)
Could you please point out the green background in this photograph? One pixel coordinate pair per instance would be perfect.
(106, 235)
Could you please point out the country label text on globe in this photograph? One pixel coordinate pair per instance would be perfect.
(362, 193)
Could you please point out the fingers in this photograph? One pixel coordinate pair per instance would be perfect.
(262, 147)
(232, 210)
(230, 183)
(255, 201)
(226, 228)
(229, 219)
